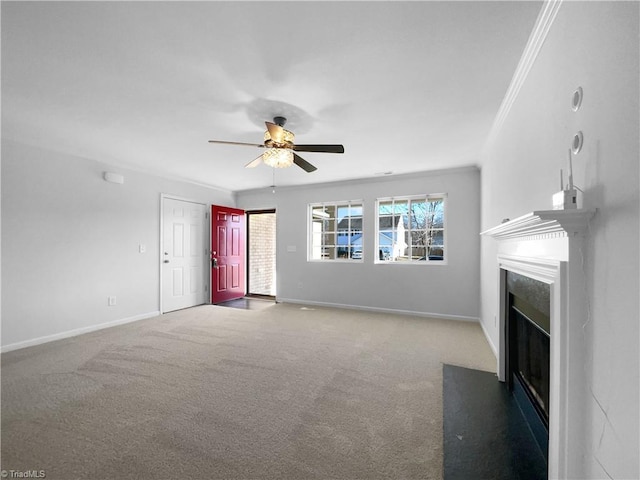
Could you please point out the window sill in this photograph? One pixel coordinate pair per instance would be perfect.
(337, 260)
(416, 262)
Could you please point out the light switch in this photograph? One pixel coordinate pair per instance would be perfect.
(142, 248)
(291, 248)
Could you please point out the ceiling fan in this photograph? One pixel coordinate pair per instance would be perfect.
(280, 149)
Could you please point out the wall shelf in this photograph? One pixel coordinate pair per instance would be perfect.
(543, 223)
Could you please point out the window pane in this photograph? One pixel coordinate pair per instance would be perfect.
(328, 252)
(401, 207)
(418, 238)
(435, 213)
(386, 223)
(330, 211)
(437, 237)
(318, 213)
(418, 214)
(418, 253)
(436, 253)
(329, 239)
(356, 211)
(343, 211)
(386, 240)
(329, 225)
(385, 208)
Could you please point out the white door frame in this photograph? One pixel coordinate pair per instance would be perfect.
(207, 246)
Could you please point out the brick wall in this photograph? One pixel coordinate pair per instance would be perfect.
(262, 256)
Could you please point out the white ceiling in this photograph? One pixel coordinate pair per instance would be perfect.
(404, 86)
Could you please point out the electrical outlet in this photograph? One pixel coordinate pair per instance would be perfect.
(111, 301)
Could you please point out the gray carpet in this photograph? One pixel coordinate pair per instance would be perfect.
(285, 392)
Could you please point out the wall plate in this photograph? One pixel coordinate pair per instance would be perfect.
(576, 99)
(576, 143)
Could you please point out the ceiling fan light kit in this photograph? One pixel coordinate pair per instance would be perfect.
(278, 157)
(280, 149)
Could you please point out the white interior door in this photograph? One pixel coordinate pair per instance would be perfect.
(184, 255)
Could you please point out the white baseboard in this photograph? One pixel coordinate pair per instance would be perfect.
(379, 310)
(489, 341)
(78, 331)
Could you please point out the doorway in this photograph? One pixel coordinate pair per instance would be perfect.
(227, 253)
(185, 231)
(261, 253)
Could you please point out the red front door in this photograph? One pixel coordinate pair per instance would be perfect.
(227, 253)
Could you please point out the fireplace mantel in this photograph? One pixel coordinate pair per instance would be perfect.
(548, 246)
(543, 223)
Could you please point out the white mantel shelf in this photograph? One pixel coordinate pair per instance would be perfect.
(543, 223)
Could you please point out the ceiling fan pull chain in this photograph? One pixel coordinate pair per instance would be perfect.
(273, 183)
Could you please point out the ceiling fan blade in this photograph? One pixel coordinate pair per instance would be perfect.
(259, 145)
(254, 163)
(275, 131)
(319, 148)
(303, 164)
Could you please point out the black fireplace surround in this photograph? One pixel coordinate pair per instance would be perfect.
(528, 351)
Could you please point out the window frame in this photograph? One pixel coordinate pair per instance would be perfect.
(312, 234)
(408, 199)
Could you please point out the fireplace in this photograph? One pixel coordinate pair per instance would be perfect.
(528, 330)
(541, 307)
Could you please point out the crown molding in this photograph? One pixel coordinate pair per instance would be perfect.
(365, 180)
(539, 34)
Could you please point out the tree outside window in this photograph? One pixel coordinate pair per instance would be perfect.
(411, 229)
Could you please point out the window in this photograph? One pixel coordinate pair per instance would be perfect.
(335, 231)
(411, 229)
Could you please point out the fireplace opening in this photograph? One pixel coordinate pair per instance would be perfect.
(528, 325)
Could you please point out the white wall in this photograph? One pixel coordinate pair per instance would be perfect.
(593, 45)
(444, 290)
(70, 240)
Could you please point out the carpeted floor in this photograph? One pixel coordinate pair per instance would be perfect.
(285, 392)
